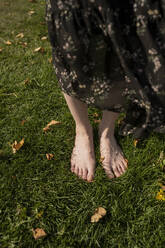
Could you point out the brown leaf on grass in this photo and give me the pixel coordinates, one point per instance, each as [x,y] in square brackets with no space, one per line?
[39,49]
[95,218]
[99,213]
[26,81]
[23,122]
[20,35]
[38,233]
[53,122]
[120,119]
[96,115]
[49,156]
[101,159]
[24,44]
[135,142]
[8,42]
[44,38]
[42,50]
[45,129]
[160,195]
[16,146]
[1,49]
[50,60]
[31,12]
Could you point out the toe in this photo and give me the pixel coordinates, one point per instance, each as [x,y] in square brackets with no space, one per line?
[76,171]
[123,166]
[90,176]
[109,173]
[72,167]
[80,172]
[120,169]
[116,172]
[84,176]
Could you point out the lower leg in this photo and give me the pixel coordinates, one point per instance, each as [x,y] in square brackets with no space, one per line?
[83,159]
[107,125]
[114,162]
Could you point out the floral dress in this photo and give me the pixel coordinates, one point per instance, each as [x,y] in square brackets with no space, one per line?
[111,54]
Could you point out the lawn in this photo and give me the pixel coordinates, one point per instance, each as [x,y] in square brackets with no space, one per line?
[39,193]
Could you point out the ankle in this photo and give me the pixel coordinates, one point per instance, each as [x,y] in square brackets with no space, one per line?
[106,132]
[84,130]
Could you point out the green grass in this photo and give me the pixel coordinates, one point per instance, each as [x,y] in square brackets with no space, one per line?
[37,193]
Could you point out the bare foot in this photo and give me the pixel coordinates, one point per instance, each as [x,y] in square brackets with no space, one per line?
[83,158]
[113,160]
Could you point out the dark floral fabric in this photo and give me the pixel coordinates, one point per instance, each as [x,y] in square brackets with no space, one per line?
[111,55]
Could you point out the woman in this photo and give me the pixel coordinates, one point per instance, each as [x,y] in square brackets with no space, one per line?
[109,54]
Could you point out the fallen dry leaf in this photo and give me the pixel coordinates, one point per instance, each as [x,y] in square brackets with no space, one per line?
[38,233]
[24,44]
[45,129]
[96,115]
[23,122]
[44,38]
[95,218]
[99,213]
[160,195]
[14,177]
[153,12]
[101,159]
[50,60]
[31,12]
[1,49]
[42,50]
[49,156]
[135,142]
[39,49]
[53,122]
[16,146]
[26,81]
[120,119]
[20,35]
[8,42]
